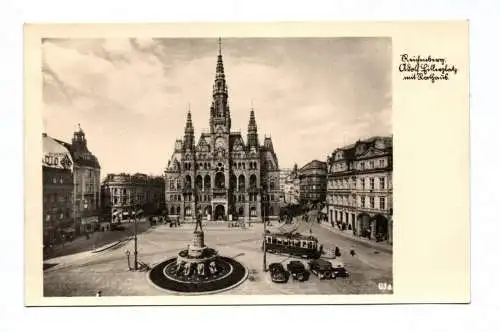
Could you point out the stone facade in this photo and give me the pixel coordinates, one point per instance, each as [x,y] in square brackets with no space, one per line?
[57,177]
[312,177]
[291,189]
[123,195]
[221,175]
[360,187]
[86,180]
[284,175]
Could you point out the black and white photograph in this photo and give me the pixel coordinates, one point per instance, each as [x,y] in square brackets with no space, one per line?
[214,164]
[191,166]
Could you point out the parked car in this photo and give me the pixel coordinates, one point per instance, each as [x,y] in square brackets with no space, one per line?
[278,273]
[339,269]
[322,268]
[297,270]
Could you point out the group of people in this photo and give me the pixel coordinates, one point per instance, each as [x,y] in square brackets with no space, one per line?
[158,220]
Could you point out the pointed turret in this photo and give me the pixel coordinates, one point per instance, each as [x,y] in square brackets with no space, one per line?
[189,133]
[252,135]
[219,110]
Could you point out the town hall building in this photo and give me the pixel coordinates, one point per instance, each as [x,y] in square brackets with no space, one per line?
[221,175]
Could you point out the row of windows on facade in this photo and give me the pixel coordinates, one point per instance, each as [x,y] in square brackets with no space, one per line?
[89,188]
[361,183]
[61,180]
[60,216]
[188,212]
[140,196]
[362,202]
[57,197]
[361,165]
[125,199]
[208,166]
[132,192]
[64,199]
[205,183]
[312,187]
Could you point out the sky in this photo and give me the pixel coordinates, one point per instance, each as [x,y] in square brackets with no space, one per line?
[131,96]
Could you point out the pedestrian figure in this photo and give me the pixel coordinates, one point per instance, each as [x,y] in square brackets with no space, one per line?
[352,252]
[337,252]
[98,294]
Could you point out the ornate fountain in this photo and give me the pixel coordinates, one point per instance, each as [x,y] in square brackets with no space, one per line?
[198,269]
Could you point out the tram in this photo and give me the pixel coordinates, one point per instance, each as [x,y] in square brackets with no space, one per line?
[298,245]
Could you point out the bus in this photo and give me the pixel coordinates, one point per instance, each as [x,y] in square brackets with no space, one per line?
[297,245]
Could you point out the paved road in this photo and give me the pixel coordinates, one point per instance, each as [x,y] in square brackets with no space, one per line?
[96,240]
[108,270]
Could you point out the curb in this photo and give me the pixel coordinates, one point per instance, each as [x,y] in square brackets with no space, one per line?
[372,244]
[109,246]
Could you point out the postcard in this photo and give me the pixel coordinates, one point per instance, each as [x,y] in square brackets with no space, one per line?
[247,163]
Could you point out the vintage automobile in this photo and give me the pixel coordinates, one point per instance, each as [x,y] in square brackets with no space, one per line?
[297,270]
[278,273]
[322,268]
[339,269]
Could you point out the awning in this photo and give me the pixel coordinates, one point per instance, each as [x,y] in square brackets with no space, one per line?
[125,213]
[324,210]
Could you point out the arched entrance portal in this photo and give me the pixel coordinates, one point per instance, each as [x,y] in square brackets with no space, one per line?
[363,228]
[219,212]
[208,212]
[381,227]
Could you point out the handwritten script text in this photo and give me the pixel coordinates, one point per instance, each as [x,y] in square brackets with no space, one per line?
[425,68]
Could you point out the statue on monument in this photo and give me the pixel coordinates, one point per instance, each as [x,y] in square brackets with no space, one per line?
[199,218]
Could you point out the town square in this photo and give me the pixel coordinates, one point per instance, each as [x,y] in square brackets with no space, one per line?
[225,214]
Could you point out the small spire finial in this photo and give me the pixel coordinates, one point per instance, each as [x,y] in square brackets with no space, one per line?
[220,46]
[251,103]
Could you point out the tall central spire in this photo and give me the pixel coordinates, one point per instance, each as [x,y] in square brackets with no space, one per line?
[219,110]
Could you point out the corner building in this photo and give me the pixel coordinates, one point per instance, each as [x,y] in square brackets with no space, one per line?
[86,180]
[360,187]
[221,175]
[57,175]
[123,194]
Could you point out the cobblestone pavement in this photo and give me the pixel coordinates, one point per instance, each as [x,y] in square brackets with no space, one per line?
[85,273]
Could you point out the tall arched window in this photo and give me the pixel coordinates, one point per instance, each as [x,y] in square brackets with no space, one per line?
[187,183]
[271,185]
[241,182]
[233,182]
[220,180]
[207,182]
[253,181]
[199,182]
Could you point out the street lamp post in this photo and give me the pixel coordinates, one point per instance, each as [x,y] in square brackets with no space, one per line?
[127,253]
[264,260]
[135,241]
